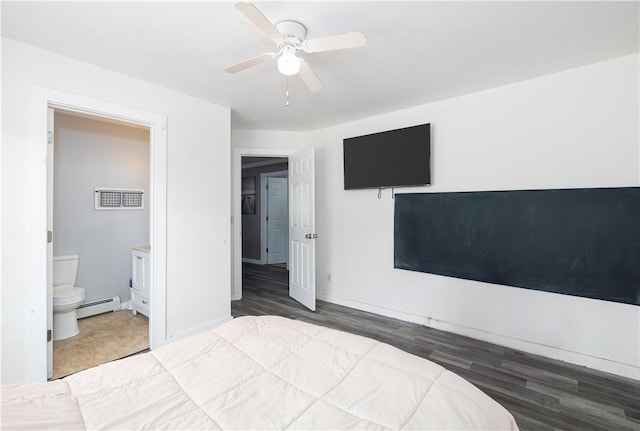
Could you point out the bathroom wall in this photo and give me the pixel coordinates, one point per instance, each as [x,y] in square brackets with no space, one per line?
[88,154]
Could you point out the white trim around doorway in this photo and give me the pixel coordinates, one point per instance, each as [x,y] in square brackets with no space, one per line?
[41,100]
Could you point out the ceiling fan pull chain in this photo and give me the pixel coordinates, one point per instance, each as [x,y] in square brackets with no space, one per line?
[287,92]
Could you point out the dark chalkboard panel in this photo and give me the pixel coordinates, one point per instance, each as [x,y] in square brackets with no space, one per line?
[582,242]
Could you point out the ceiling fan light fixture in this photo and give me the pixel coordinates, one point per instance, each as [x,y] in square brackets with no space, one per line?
[291,37]
[288,63]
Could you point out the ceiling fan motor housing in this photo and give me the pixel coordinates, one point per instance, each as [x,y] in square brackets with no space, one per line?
[293,33]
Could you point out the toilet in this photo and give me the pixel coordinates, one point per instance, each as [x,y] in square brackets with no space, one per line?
[66,297]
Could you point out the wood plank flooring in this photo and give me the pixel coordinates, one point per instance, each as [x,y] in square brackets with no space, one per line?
[541,393]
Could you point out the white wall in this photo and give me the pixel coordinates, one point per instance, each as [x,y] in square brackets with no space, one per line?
[198,235]
[90,154]
[572,129]
[578,128]
[270,139]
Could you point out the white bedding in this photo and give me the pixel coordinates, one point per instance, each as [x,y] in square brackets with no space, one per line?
[259,373]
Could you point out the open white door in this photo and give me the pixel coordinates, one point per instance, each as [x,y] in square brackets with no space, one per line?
[50,148]
[302,223]
[277,221]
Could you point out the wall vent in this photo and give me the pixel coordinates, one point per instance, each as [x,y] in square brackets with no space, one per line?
[119,199]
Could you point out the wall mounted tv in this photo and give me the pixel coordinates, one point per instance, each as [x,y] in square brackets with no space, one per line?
[394,158]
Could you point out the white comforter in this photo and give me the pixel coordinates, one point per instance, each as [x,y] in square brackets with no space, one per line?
[259,373]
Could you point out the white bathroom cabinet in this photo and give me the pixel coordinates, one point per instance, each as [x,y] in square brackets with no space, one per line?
[140,280]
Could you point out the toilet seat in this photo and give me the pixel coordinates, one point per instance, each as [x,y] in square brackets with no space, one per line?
[67,295]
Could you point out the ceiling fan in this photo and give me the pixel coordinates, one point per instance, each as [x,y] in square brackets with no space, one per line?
[289,37]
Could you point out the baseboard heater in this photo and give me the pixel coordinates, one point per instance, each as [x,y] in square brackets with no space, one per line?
[98,307]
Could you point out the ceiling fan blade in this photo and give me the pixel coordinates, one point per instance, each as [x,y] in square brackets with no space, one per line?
[310,78]
[329,43]
[251,62]
[260,21]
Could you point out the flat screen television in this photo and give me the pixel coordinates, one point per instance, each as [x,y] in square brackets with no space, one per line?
[394,158]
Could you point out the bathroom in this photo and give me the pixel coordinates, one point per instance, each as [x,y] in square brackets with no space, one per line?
[100,215]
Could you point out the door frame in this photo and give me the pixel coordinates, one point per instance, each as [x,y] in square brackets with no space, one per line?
[42,99]
[236,219]
[264,208]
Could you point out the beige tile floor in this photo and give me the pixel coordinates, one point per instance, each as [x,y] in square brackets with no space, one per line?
[102,338]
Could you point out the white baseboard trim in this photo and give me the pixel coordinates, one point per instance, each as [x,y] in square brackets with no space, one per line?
[255,261]
[100,306]
[371,308]
[126,305]
[197,330]
[601,364]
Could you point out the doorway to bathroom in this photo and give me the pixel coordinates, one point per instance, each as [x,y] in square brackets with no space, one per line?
[38,239]
[100,214]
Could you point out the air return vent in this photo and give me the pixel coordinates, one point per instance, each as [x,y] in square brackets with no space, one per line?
[119,199]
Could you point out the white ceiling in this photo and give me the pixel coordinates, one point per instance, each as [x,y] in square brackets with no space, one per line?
[416,53]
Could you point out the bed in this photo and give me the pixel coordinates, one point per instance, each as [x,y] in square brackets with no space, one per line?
[259,373]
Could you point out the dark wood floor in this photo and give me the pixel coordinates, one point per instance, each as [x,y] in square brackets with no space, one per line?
[541,393]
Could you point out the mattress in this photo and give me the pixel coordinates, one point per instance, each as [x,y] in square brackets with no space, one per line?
[259,373]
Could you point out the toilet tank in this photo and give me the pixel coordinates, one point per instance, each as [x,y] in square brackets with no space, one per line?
[65,269]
